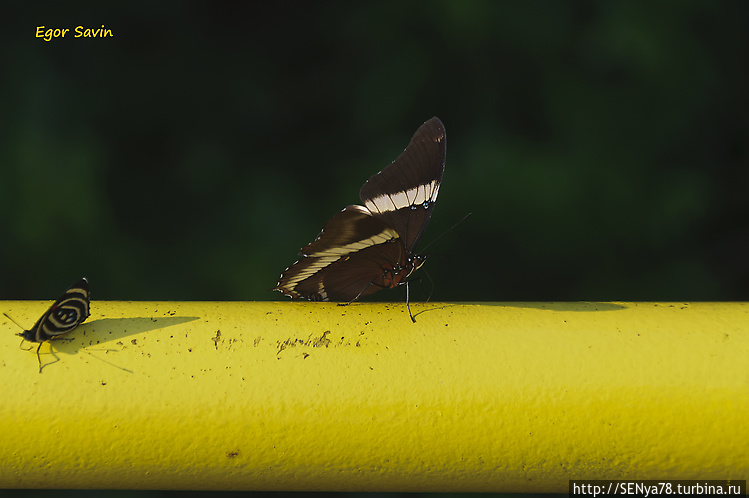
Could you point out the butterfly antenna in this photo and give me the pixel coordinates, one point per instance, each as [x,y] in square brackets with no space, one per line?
[445,232]
[9,318]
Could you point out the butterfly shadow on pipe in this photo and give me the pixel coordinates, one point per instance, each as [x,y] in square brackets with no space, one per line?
[99,333]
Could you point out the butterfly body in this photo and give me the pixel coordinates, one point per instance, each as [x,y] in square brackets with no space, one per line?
[366,248]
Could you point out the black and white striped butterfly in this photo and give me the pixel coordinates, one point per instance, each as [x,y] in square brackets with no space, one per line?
[69,311]
[366,248]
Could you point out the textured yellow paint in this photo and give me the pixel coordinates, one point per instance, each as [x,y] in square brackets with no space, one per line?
[313,396]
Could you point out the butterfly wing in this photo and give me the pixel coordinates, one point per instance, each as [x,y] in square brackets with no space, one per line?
[346,261]
[363,249]
[69,311]
[402,195]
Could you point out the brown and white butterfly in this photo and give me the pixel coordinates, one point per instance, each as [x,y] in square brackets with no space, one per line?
[366,248]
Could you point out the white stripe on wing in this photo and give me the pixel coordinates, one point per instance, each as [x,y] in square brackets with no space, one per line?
[412,197]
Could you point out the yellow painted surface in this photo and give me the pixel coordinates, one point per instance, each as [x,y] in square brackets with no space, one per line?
[313,396]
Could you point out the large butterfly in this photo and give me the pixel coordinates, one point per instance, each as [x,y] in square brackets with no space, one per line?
[69,311]
[366,248]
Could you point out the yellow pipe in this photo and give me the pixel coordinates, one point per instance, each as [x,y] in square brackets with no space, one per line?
[312,396]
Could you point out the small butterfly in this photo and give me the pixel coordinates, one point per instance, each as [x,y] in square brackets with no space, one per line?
[69,311]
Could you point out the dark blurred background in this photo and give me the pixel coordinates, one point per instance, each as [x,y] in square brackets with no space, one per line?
[601,146]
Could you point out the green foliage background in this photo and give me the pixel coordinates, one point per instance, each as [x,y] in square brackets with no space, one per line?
[601,146]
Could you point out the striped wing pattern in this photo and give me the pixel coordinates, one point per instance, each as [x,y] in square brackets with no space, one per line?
[69,311]
[403,194]
[365,248]
[345,260]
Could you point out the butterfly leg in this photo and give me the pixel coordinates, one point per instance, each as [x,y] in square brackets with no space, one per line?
[360,293]
[421,280]
[50,347]
[22,341]
[408,306]
[39,358]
